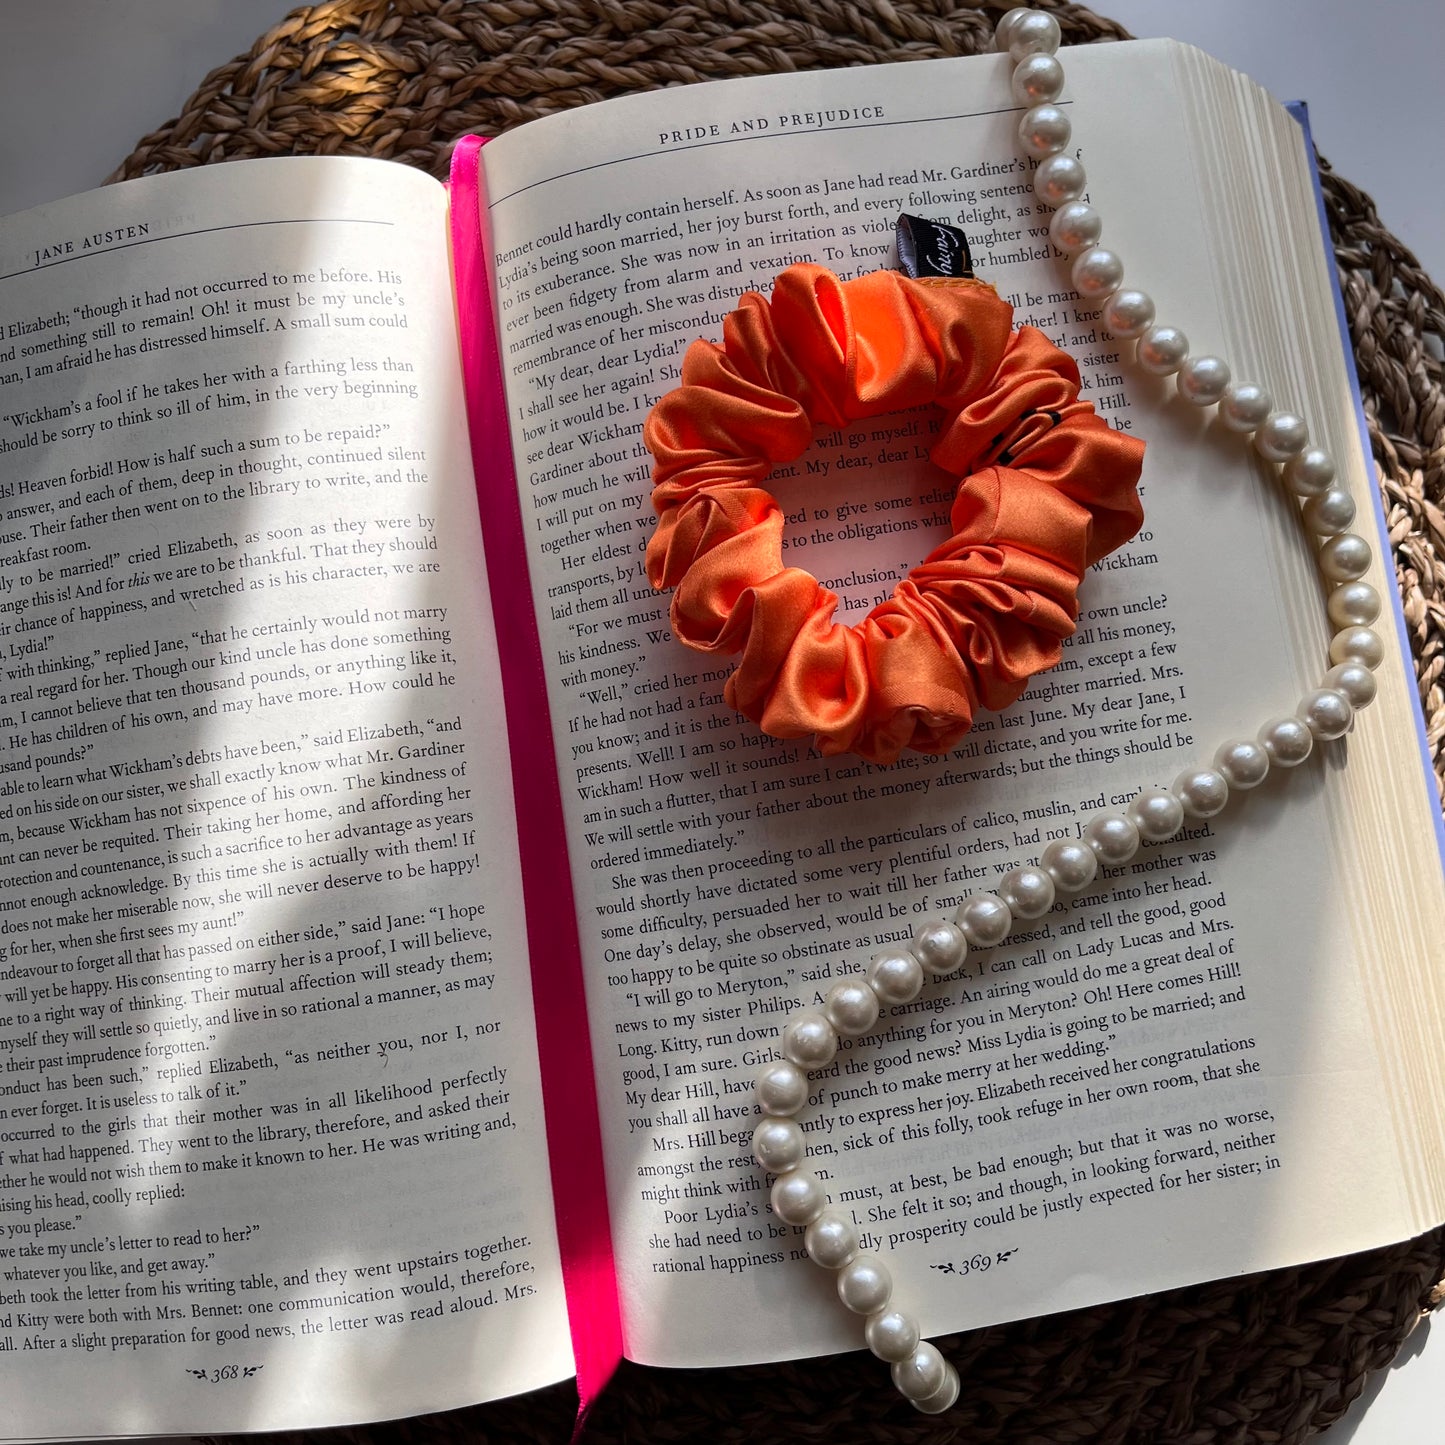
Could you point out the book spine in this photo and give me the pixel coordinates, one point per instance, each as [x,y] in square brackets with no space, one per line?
[569,1089]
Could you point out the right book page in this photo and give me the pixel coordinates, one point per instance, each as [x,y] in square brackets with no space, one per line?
[1215,1061]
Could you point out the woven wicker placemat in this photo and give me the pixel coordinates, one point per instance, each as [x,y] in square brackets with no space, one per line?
[1270,1359]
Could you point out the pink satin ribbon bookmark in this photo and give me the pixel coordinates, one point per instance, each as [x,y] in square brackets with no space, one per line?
[569,1089]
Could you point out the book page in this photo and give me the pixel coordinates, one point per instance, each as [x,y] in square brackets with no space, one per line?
[269,1104]
[1168,1078]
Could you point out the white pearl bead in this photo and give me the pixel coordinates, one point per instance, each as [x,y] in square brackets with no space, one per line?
[984,918]
[1114,839]
[1202,792]
[1028,892]
[1243,762]
[1058,179]
[1097,273]
[922,1374]
[1128,313]
[1353,679]
[864,1284]
[1358,644]
[1244,406]
[1282,436]
[851,1006]
[944,1398]
[891,1335]
[1037,79]
[1329,513]
[1156,814]
[1309,473]
[831,1240]
[798,1197]
[1354,604]
[1072,866]
[1345,558]
[1003,31]
[1326,713]
[781,1088]
[1202,380]
[809,1040]
[778,1145]
[1035,32]
[895,977]
[940,947]
[1044,129]
[1287,741]
[1162,350]
[1075,227]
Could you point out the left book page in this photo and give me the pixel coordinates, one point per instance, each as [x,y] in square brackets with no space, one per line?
[269,1100]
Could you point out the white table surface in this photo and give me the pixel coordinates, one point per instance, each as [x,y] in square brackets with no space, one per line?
[84,79]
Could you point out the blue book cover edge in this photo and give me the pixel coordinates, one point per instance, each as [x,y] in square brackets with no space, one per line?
[1300,111]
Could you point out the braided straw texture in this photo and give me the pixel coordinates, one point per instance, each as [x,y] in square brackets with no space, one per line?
[1270,1359]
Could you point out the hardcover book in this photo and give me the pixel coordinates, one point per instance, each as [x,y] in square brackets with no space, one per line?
[394,916]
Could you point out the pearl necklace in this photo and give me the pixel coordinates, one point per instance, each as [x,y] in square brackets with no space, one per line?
[852,1006]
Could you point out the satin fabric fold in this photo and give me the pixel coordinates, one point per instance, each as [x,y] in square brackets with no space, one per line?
[1045,489]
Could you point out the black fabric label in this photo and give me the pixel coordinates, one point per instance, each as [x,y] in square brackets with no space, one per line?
[928,248]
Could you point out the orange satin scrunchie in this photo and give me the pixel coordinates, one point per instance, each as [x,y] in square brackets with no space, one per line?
[1046,489]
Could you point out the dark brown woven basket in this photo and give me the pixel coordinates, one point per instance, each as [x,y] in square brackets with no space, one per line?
[1270,1359]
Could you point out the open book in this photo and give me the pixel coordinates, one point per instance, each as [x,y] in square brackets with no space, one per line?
[331,783]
